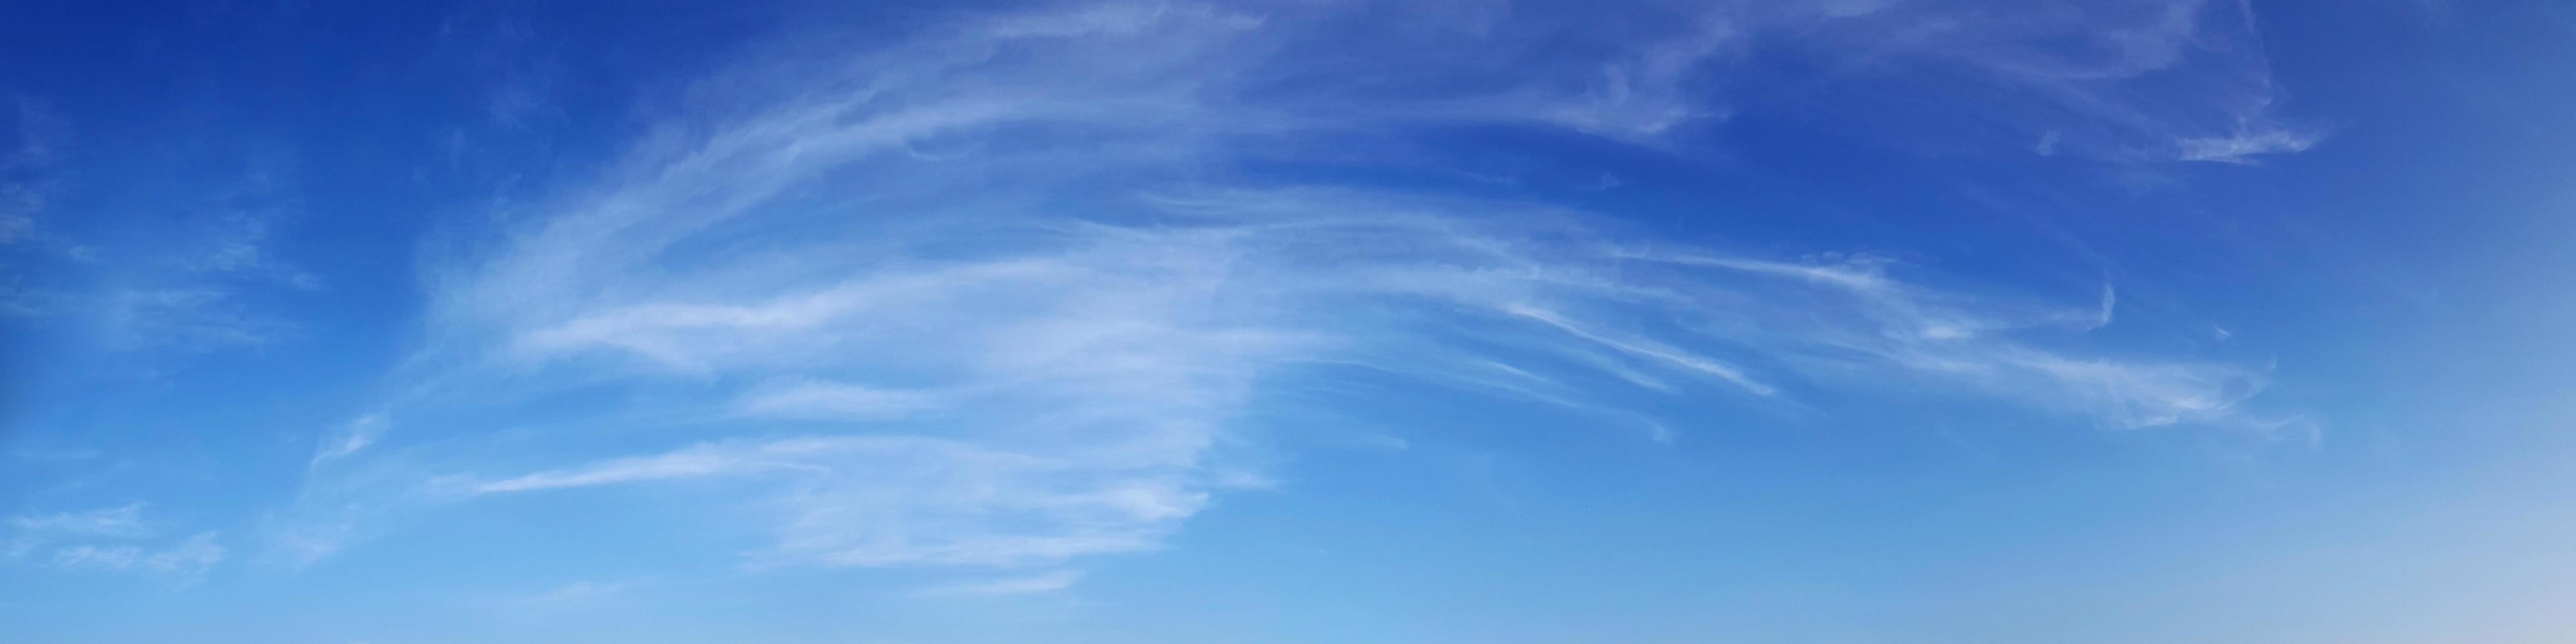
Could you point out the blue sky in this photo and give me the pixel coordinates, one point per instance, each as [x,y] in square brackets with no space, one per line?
[1338,321]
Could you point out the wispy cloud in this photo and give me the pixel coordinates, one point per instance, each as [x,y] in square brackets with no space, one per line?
[29,134]
[1049,582]
[111,539]
[30,138]
[189,558]
[2244,147]
[574,593]
[840,400]
[876,501]
[2119,80]
[182,291]
[349,438]
[182,318]
[998,300]
[692,463]
[118,521]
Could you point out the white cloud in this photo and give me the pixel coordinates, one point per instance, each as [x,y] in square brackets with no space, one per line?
[1049,582]
[1649,94]
[578,592]
[993,299]
[111,539]
[181,292]
[28,134]
[182,318]
[189,558]
[1068,397]
[879,501]
[2119,80]
[14,225]
[690,463]
[118,521]
[1646,348]
[349,438]
[310,537]
[2242,147]
[836,400]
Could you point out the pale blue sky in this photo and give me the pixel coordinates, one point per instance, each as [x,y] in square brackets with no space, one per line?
[1346,321]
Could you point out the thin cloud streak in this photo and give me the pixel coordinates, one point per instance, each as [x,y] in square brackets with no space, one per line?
[119,521]
[2244,147]
[112,539]
[1050,582]
[354,436]
[189,559]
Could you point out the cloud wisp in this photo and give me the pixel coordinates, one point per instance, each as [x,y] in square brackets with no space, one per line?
[190,291]
[1041,583]
[110,539]
[190,558]
[118,521]
[2131,81]
[1005,295]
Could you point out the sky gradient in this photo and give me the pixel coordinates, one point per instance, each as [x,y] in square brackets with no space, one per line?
[1306,321]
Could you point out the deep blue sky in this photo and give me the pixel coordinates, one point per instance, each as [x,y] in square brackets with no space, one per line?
[1346,321]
